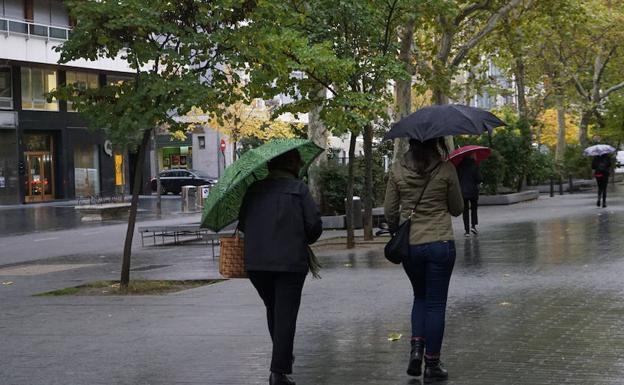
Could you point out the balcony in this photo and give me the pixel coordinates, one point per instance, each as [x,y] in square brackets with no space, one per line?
[34,30]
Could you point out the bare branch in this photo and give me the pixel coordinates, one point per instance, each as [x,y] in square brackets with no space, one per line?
[599,67]
[489,26]
[579,87]
[467,11]
[611,90]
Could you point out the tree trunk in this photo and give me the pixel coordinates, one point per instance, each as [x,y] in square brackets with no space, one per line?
[440,98]
[318,134]
[403,88]
[523,111]
[525,127]
[349,203]
[368,183]
[136,190]
[158,183]
[561,133]
[583,127]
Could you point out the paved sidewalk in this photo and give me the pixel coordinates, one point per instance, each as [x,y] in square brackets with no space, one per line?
[535,299]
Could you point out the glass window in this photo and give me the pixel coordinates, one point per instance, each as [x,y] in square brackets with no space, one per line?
[81,80]
[86,170]
[6,92]
[113,80]
[36,83]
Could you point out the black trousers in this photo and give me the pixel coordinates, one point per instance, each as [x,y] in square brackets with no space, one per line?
[281,294]
[602,182]
[470,213]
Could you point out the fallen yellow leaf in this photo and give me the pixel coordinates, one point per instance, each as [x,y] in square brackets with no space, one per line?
[7,283]
[394,336]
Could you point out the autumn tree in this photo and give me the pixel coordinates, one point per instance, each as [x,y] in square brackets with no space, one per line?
[594,59]
[348,50]
[175,50]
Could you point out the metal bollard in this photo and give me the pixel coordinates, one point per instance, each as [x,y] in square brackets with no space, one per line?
[570,185]
[188,199]
[560,185]
[552,187]
[202,193]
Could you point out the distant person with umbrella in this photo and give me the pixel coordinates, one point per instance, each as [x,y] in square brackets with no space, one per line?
[601,164]
[469,179]
[423,188]
[467,160]
[602,168]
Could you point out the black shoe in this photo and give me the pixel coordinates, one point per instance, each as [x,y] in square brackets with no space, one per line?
[604,205]
[434,371]
[416,357]
[280,379]
[598,203]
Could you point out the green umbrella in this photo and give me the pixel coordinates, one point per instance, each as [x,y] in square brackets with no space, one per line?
[225,198]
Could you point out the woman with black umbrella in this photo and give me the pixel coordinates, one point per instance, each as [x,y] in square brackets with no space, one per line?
[423,188]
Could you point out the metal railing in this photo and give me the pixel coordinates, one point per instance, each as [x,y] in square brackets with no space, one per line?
[30,29]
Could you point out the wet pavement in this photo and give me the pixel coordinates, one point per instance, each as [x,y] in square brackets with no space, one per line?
[536,298]
[54,216]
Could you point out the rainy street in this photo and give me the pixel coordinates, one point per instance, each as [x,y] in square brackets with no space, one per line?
[535,298]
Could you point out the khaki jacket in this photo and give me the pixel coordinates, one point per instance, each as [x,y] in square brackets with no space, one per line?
[431,221]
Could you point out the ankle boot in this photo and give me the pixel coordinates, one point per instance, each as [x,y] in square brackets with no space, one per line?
[280,379]
[434,370]
[416,357]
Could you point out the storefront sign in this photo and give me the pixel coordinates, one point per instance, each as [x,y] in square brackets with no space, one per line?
[119,170]
[222,145]
[205,190]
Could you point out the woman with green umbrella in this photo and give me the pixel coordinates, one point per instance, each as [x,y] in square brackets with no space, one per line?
[280,219]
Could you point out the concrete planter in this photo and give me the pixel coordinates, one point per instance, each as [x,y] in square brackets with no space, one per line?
[103,212]
[508,199]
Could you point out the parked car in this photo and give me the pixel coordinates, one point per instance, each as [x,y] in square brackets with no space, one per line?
[171,181]
[619,165]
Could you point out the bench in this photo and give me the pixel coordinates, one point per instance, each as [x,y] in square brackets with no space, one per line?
[180,234]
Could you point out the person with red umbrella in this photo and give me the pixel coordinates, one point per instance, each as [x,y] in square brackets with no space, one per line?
[467,160]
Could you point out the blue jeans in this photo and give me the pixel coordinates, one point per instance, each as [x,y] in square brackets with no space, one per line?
[429,268]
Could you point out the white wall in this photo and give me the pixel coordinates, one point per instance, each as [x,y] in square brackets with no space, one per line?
[210,158]
[17,47]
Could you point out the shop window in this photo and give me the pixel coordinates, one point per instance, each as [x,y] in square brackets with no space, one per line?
[36,83]
[86,170]
[81,80]
[6,91]
[113,80]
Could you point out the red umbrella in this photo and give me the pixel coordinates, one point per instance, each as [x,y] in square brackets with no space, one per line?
[459,154]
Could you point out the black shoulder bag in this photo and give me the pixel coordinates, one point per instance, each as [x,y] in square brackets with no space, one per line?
[397,248]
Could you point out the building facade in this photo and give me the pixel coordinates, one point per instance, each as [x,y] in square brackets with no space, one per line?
[46,150]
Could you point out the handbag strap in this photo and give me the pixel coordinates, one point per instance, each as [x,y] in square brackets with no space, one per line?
[422,192]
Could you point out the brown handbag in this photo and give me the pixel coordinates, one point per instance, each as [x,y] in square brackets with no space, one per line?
[232,259]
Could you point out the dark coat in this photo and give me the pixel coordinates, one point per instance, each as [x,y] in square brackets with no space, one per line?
[469,178]
[601,166]
[279,219]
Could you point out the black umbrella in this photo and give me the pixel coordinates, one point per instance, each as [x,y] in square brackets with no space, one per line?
[450,119]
